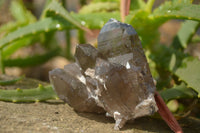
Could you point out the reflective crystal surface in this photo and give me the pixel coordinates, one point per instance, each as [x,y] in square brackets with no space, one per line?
[70,86]
[86,55]
[114,78]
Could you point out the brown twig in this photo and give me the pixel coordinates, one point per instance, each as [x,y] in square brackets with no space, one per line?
[124,8]
[166,114]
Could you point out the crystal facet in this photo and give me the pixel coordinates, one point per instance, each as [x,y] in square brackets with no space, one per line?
[70,85]
[114,78]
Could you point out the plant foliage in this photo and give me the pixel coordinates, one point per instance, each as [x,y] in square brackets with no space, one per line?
[169,63]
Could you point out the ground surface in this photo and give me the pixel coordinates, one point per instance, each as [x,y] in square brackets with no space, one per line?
[57,117]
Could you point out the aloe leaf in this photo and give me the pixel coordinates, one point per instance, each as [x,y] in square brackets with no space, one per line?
[178,92]
[41,93]
[1,62]
[187,1]
[22,16]
[100,7]
[81,37]
[137,4]
[167,58]
[10,49]
[57,23]
[172,63]
[57,9]
[149,5]
[20,13]
[186,32]
[32,60]
[11,26]
[162,56]
[68,45]
[189,73]
[143,20]
[10,82]
[45,25]
[142,23]
[177,10]
[96,1]
[95,20]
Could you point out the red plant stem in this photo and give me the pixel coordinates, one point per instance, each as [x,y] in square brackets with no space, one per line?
[128,7]
[124,8]
[166,114]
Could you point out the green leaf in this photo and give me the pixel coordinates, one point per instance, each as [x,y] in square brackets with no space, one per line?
[167,57]
[142,23]
[182,1]
[96,1]
[20,13]
[187,1]
[11,26]
[172,62]
[149,5]
[56,9]
[32,60]
[137,4]
[189,72]
[152,65]
[10,49]
[177,10]
[10,82]
[186,32]
[2,63]
[100,7]
[95,20]
[22,16]
[178,92]
[45,25]
[41,93]
[57,23]
[81,37]
[143,20]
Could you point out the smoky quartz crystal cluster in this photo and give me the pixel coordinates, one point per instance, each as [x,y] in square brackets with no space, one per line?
[113,78]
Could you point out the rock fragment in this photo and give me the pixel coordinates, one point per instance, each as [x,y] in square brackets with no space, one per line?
[114,78]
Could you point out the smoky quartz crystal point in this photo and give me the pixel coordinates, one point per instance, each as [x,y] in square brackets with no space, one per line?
[114,78]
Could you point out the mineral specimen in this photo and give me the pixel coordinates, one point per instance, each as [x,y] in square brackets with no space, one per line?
[70,86]
[114,78]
